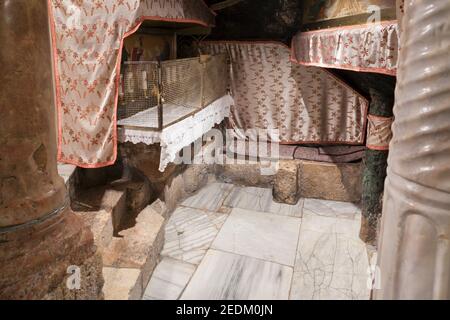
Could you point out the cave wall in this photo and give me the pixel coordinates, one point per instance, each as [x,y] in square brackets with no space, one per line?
[256,19]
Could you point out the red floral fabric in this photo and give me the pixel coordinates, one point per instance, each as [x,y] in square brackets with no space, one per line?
[365,48]
[87,40]
[379,132]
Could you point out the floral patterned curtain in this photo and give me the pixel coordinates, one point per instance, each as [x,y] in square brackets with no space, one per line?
[87,39]
[306,104]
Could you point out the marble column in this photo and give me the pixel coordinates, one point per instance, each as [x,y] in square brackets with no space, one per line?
[414,248]
[40,238]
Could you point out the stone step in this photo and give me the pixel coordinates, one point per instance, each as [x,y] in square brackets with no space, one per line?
[129,260]
[102,209]
[128,232]
[123,203]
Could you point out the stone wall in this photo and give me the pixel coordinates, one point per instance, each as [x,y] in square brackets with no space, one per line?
[299,178]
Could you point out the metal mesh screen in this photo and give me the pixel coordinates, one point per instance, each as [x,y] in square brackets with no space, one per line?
[215,78]
[138,89]
[184,85]
[182,82]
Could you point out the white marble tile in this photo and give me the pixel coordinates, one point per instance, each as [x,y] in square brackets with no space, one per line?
[210,197]
[260,235]
[261,199]
[347,227]
[330,252]
[332,262]
[333,209]
[190,232]
[169,280]
[329,286]
[227,276]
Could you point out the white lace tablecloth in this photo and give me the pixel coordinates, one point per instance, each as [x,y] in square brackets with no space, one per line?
[181,134]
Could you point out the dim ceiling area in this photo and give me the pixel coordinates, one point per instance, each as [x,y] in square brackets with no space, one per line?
[255,19]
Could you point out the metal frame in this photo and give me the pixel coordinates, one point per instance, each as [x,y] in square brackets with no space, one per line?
[202,60]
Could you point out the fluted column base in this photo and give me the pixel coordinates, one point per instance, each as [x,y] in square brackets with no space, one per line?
[414,249]
[35,260]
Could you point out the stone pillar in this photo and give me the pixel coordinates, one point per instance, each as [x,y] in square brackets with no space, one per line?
[375,164]
[414,248]
[39,236]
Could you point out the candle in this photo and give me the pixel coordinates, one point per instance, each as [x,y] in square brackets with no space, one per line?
[144,80]
[121,85]
[129,83]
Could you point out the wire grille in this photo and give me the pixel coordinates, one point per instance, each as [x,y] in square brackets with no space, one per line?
[182,82]
[215,81]
[138,88]
[173,89]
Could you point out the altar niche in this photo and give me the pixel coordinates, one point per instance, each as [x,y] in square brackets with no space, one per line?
[157,89]
[157,94]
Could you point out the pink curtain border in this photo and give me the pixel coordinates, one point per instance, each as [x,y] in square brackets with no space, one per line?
[117,80]
[293,60]
[350,27]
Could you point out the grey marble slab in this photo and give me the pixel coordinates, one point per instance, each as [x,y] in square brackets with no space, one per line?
[190,232]
[260,235]
[331,262]
[210,197]
[333,209]
[169,280]
[329,286]
[227,276]
[261,199]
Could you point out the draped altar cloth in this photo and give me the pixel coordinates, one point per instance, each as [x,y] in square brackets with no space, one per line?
[364,48]
[308,105]
[180,134]
[87,38]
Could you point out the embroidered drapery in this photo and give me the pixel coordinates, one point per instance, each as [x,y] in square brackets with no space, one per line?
[306,104]
[365,48]
[379,132]
[87,41]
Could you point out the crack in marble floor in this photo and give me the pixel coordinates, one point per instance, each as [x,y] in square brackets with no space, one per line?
[329,260]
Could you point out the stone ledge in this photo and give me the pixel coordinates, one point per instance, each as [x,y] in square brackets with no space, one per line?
[248,175]
[300,178]
[338,182]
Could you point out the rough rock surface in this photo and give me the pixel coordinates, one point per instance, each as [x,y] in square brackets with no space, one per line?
[47,250]
[195,177]
[244,174]
[122,284]
[139,247]
[338,182]
[174,192]
[286,186]
[93,205]
[146,159]
[276,19]
[91,283]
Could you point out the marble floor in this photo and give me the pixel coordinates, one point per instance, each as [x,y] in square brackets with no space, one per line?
[235,243]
